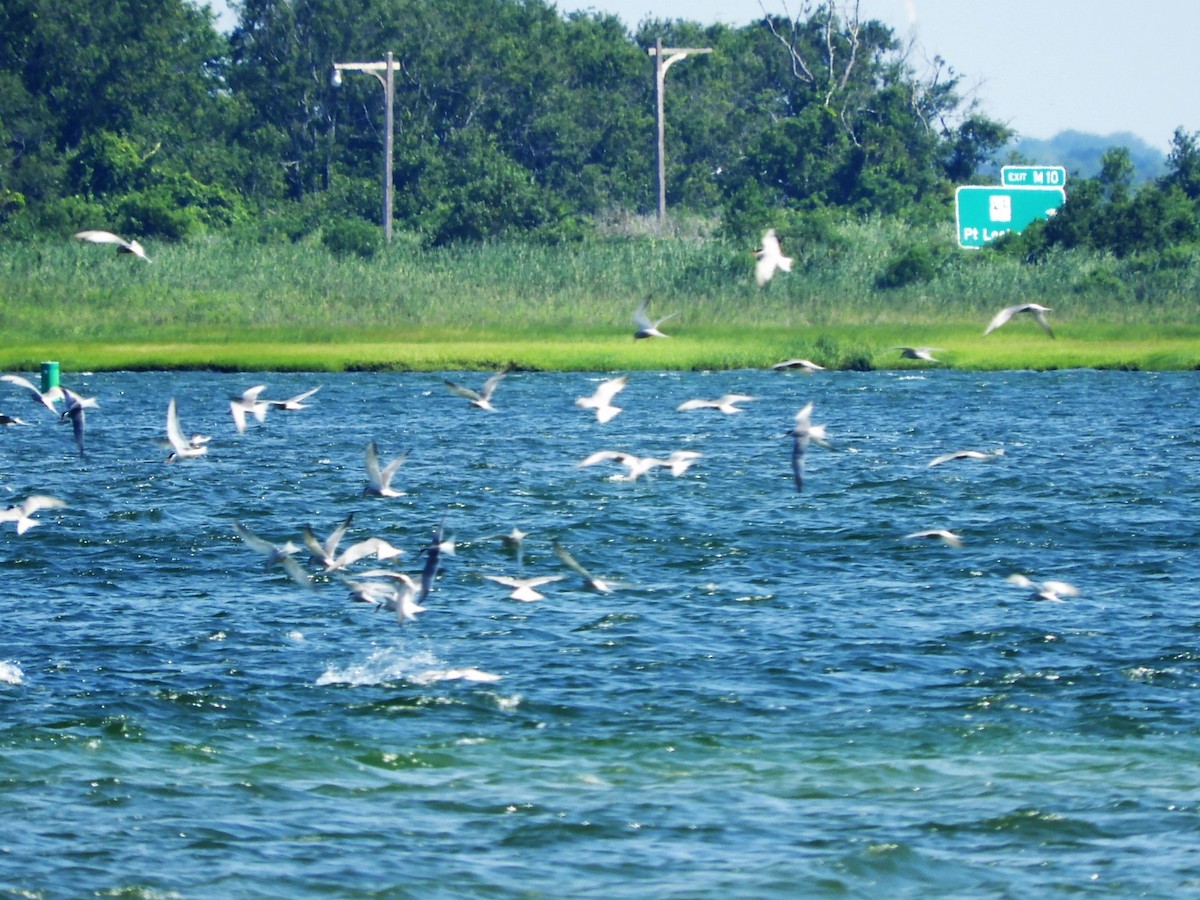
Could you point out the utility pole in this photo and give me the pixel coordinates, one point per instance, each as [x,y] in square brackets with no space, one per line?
[388,80]
[661,64]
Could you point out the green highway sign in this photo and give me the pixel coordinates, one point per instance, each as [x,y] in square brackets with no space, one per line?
[984,212]
[1033,176]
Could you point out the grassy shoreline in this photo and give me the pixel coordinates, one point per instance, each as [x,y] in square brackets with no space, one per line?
[841,348]
[221,305]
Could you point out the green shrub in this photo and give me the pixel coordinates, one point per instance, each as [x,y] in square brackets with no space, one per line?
[352,237]
[915,265]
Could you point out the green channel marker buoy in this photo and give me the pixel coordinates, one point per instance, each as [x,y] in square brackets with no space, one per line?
[49,376]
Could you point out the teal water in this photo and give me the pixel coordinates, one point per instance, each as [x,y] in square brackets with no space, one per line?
[786,698]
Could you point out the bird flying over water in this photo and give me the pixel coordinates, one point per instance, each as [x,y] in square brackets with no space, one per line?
[525,589]
[601,399]
[1034,309]
[726,404]
[22,513]
[75,405]
[482,397]
[770,258]
[181,447]
[46,399]
[647,327]
[590,581]
[11,420]
[1053,591]
[925,353]
[277,554]
[949,538]
[807,366]
[247,402]
[804,431]
[980,455]
[107,237]
[293,403]
[379,481]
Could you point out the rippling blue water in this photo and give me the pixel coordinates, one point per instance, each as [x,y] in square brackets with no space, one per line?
[786,699]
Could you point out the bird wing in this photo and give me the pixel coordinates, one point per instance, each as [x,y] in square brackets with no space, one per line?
[37,502]
[489,386]
[640,317]
[103,237]
[462,391]
[372,459]
[258,543]
[1040,316]
[174,434]
[390,469]
[570,562]
[1001,317]
[695,404]
[799,445]
[609,389]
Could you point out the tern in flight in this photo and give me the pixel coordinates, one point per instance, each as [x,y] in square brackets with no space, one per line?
[770,258]
[925,353]
[726,404]
[590,581]
[22,513]
[277,554]
[1053,591]
[293,403]
[247,402]
[1034,309]
[107,237]
[804,431]
[980,455]
[379,481]
[525,589]
[75,405]
[482,397]
[646,327]
[949,538]
[602,399]
[46,398]
[181,447]
[807,366]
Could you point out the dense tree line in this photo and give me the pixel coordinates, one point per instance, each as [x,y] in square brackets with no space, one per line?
[510,119]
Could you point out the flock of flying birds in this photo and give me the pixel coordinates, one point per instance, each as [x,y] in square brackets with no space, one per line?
[405,595]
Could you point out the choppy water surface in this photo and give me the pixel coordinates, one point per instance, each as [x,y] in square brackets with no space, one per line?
[785,699]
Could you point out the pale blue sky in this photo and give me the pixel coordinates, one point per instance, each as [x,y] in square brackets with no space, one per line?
[1041,66]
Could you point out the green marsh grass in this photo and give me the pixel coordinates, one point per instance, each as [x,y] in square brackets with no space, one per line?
[219,304]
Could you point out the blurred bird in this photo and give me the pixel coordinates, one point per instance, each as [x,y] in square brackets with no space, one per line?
[807,366]
[277,554]
[770,258]
[75,405]
[247,402]
[1053,591]
[482,397]
[181,447]
[438,544]
[804,431]
[949,538]
[646,327]
[601,399]
[379,481]
[925,353]
[293,403]
[525,589]
[11,420]
[22,513]
[1034,309]
[47,398]
[107,237]
[590,581]
[726,404]
[981,455]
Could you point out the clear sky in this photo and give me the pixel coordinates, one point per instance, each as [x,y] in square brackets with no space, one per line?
[1041,66]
